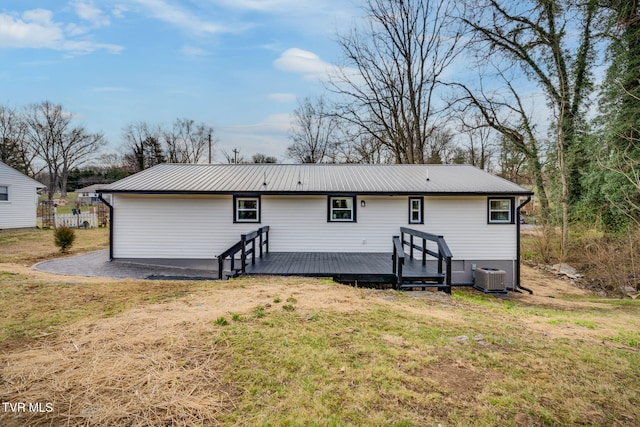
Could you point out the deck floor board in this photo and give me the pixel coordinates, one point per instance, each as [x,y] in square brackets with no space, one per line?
[331,264]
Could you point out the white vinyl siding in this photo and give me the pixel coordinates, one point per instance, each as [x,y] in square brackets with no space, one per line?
[202,226]
[299,223]
[174,226]
[463,223]
[19,208]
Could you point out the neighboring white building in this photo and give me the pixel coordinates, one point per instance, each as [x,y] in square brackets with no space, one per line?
[88,195]
[199,211]
[18,199]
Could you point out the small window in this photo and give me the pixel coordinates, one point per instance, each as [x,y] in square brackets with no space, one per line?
[4,193]
[500,211]
[342,209]
[246,209]
[416,215]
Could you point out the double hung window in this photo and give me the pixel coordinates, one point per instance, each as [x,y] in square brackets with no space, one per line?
[501,211]
[246,209]
[342,209]
[416,210]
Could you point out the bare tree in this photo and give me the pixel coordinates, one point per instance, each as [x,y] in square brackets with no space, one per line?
[142,146]
[14,148]
[552,42]
[314,132]
[505,113]
[233,157]
[187,141]
[263,158]
[363,149]
[480,146]
[394,63]
[58,143]
[438,146]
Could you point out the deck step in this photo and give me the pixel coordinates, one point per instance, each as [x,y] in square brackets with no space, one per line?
[423,278]
[232,273]
[411,286]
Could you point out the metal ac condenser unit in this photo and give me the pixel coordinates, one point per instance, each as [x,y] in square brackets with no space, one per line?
[491,279]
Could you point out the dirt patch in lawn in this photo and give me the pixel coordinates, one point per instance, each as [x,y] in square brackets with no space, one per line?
[160,364]
[142,366]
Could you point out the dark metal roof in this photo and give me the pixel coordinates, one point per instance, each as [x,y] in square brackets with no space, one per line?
[314,179]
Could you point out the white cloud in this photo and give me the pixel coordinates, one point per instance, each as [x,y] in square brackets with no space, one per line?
[181,18]
[274,123]
[37,29]
[318,18]
[38,16]
[110,89]
[90,13]
[194,51]
[119,10]
[303,62]
[270,137]
[262,5]
[83,47]
[282,97]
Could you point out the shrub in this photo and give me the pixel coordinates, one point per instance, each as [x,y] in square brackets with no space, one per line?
[64,238]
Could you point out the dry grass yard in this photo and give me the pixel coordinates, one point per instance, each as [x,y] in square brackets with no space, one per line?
[297,351]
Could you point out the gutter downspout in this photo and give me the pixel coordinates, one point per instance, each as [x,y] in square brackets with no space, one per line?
[517,284]
[110,225]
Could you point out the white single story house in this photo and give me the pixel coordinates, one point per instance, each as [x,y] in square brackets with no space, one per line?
[186,211]
[18,198]
[88,195]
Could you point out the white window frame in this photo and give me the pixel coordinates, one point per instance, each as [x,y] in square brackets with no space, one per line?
[4,193]
[352,209]
[420,210]
[500,210]
[237,209]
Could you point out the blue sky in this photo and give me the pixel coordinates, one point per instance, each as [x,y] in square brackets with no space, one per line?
[237,65]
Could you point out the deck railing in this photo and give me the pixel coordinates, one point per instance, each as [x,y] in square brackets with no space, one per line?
[397,258]
[246,247]
[443,253]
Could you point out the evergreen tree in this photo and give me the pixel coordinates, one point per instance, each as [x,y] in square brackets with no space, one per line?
[618,162]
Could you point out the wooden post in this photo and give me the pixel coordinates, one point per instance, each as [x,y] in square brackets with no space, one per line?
[253,251]
[394,257]
[411,246]
[448,280]
[243,253]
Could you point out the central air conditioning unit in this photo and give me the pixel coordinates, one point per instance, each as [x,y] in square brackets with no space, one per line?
[491,279]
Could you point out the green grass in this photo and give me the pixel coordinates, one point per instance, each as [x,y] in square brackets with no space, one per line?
[382,363]
[391,359]
[391,367]
[33,307]
[33,245]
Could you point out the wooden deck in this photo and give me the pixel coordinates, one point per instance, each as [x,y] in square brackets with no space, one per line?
[342,266]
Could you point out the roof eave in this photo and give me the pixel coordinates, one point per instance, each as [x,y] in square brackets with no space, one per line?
[321,193]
